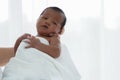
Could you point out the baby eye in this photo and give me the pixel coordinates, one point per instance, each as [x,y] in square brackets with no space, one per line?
[45,18]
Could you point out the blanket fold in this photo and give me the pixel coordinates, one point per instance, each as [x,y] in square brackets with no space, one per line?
[32,64]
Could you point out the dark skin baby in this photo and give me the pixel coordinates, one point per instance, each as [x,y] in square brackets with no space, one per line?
[49,27]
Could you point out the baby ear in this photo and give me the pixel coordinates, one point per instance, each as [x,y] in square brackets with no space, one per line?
[62,31]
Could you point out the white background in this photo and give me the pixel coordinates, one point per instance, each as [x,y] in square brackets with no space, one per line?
[92,32]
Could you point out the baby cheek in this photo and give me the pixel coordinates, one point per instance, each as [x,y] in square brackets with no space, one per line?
[58,28]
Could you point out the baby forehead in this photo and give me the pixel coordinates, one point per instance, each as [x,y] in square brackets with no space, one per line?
[53,13]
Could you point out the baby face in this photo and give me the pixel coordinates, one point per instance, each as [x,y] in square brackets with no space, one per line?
[49,23]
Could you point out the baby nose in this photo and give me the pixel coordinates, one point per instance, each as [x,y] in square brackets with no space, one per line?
[47,22]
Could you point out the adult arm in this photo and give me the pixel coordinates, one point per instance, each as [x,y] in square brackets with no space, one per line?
[5,55]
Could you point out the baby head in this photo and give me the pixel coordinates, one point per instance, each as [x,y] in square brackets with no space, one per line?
[51,22]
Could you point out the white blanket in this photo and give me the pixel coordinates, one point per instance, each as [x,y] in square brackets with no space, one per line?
[32,64]
[0,73]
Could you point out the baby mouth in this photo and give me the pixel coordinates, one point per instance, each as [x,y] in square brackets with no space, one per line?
[44,26]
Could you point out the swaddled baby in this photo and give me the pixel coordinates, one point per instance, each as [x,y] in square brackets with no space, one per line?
[42,61]
[27,64]
[32,64]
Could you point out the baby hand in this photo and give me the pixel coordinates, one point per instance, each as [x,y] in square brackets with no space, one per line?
[25,36]
[32,41]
